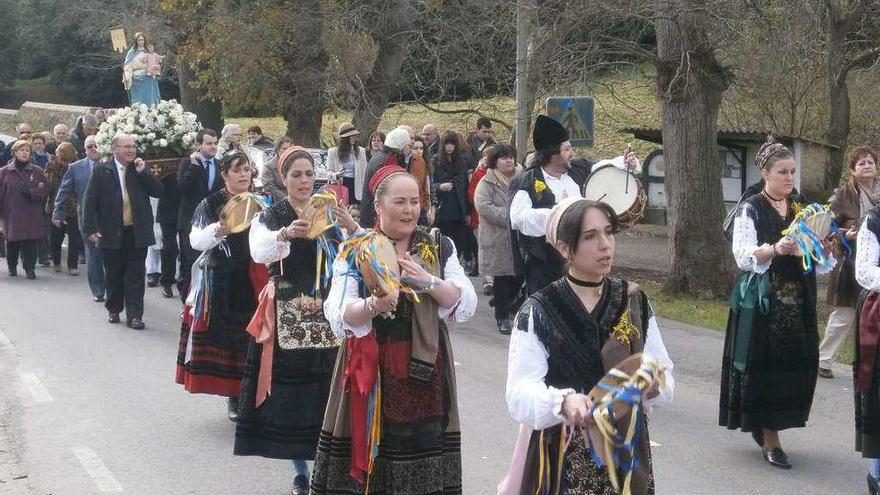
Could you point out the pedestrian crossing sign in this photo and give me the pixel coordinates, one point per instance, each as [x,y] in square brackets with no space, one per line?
[575,113]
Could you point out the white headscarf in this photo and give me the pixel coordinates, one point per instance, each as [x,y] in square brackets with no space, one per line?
[556,215]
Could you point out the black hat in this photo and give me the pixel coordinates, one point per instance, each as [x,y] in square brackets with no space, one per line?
[548,133]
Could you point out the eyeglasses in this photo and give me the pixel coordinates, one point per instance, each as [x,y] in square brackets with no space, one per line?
[91,147]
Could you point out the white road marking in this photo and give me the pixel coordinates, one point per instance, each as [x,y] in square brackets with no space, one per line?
[35,386]
[655,444]
[97,470]
[456,363]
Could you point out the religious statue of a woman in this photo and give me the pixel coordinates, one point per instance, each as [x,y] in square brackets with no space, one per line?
[141,71]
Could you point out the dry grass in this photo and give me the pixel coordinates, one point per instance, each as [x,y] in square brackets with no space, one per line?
[712,313]
[625,100]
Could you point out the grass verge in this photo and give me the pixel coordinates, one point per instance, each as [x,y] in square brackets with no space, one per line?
[712,313]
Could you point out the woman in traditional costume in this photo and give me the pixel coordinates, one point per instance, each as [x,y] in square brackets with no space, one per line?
[395,378]
[866,376]
[567,336]
[771,350]
[849,203]
[213,339]
[292,351]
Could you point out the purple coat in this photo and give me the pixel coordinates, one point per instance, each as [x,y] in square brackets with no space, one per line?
[21,217]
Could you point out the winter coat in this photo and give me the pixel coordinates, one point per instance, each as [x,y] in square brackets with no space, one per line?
[843,289]
[490,200]
[452,205]
[54,175]
[22,198]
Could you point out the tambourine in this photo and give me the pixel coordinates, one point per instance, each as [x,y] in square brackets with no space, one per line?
[240,210]
[617,404]
[373,255]
[812,224]
[318,213]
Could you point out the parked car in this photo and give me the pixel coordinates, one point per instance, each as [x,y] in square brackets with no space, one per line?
[265,157]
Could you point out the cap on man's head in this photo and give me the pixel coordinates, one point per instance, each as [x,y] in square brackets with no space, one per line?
[548,133]
[397,139]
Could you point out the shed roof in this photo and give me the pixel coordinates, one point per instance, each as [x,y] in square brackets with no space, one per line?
[655,135]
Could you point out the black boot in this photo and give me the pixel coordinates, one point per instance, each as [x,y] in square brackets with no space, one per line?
[232,408]
[503,327]
[300,485]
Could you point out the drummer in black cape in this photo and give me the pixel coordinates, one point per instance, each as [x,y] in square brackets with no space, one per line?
[550,179]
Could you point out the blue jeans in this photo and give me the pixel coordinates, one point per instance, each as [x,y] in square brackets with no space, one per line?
[95,266]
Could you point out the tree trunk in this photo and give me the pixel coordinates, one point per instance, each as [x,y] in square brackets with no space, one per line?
[306,62]
[210,112]
[525,15]
[690,84]
[304,120]
[838,123]
[381,85]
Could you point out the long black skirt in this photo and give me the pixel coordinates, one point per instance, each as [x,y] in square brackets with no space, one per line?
[776,390]
[287,424]
[867,402]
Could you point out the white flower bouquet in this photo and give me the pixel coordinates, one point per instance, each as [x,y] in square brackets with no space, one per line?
[161,131]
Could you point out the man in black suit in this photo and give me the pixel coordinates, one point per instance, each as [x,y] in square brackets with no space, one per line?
[166,217]
[197,177]
[118,217]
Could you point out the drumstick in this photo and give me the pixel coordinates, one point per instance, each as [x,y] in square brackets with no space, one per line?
[602,197]
[626,169]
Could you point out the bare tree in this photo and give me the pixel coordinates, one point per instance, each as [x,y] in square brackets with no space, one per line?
[780,74]
[690,83]
[183,19]
[391,31]
[852,42]
[263,54]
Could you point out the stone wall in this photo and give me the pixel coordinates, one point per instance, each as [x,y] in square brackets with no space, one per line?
[7,121]
[41,116]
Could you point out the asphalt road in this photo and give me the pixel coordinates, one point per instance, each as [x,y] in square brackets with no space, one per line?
[87,407]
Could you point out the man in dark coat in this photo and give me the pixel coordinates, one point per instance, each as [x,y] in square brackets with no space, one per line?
[118,217]
[431,137]
[397,144]
[166,217]
[480,139]
[86,126]
[197,177]
[533,195]
[23,131]
[258,139]
[62,134]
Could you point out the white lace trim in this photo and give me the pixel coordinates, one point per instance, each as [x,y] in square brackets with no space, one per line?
[867,258]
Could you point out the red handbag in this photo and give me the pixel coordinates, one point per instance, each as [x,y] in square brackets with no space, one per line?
[341,192]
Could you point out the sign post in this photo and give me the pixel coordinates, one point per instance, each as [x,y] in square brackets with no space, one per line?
[576,114]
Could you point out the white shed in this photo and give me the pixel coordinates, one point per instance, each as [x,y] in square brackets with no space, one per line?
[737,150]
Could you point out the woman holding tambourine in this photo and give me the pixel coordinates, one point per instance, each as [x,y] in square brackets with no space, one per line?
[213,341]
[567,337]
[771,350]
[291,355]
[392,419]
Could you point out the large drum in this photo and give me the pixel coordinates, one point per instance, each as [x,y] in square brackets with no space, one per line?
[620,190]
